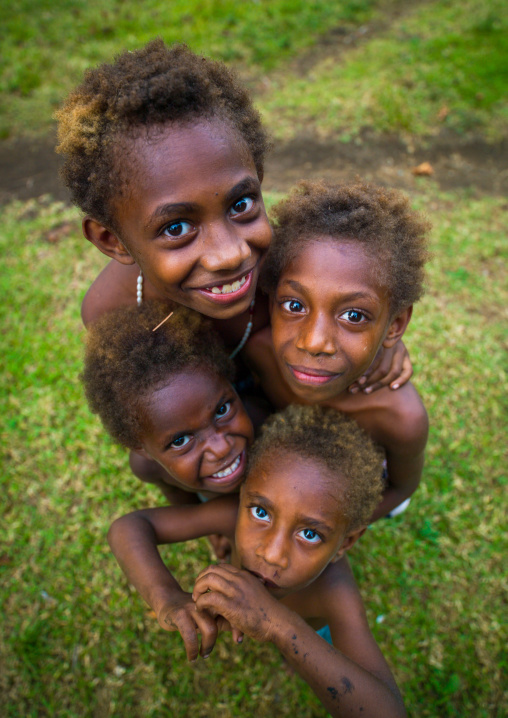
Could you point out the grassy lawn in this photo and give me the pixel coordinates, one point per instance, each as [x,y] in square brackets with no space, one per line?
[75,640]
[42,37]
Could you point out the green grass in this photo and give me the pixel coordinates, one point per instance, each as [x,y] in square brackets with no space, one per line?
[77,642]
[41,38]
[440,65]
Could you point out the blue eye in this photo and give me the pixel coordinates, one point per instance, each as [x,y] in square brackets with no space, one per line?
[310,535]
[244,204]
[223,409]
[181,441]
[353,316]
[260,513]
[293,306]
[178,229]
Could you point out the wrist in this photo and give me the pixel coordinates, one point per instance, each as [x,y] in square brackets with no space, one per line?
[283,625]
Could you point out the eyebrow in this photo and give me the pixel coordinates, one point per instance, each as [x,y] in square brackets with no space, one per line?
[170,208]
[347,297]
[248,184]
[301,518]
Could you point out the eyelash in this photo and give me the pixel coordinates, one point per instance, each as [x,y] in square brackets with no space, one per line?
[172,444]
[252,510]
[316,536]
[251,198]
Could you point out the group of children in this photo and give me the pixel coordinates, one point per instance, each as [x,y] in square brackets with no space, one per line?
[320,435]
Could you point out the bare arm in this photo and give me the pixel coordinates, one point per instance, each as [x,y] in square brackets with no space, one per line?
[404,442]
[342,683]
[134,538]
[391,367]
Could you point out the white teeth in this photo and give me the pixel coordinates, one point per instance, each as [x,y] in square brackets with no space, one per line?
[228,288]
[228,470]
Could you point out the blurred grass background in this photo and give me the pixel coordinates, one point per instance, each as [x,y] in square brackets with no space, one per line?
[75,640]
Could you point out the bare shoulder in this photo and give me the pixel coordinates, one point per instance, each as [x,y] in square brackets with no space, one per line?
[395,419]
[114,287]
[333,596]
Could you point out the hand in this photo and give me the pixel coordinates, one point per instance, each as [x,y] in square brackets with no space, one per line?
[221,546]
[390,367]
[182,615]
[239,597]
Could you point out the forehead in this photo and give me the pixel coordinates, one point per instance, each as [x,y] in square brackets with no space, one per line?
[339,265]
[297,485]
[176,159]
[184,402]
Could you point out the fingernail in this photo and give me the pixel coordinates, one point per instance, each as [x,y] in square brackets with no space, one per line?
[362,380]
[353,390]
[239,640]
[395,386]
[207,655]
[367,390]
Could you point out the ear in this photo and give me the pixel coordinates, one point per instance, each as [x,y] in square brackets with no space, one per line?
[349,541]
[106,241]
[397,327]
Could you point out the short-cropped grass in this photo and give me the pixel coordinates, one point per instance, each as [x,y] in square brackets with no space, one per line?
[76,641]
[437,65]
[46,46]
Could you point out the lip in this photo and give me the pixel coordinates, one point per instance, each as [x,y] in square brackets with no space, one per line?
[231,297]
[307,375]
[265,581]
[231,479]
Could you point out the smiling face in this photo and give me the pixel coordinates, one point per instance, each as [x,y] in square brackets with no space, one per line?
[193,217]
[197,428]
[330,316]
[290,524]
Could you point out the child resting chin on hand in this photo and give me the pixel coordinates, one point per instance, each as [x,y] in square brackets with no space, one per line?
[312,483]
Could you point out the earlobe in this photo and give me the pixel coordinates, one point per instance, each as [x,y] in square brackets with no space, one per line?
[397,327]
[106,241]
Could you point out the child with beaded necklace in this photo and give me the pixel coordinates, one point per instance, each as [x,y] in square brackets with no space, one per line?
[164,151]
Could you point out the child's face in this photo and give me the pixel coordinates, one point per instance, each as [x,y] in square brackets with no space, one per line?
[330,316]
[290,524]
[193,217]
[197,428]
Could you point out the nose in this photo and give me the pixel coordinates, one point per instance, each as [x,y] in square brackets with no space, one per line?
[317,335]
[218,445]
[273,549]
[226,248]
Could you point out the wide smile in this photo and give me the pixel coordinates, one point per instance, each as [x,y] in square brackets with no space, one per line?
[228,476]
[312,376]
[230,291]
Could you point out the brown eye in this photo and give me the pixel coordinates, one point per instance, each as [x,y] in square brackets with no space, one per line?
[178,229]
[241,206]
[354,316]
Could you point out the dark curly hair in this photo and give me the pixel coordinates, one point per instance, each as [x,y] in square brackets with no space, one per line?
[125,360]
[379,219]
[337,443]
[140,90]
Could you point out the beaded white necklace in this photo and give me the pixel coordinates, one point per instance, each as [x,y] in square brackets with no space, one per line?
[248,328]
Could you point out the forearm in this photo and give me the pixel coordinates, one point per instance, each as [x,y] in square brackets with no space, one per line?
[133,542]
[343,687]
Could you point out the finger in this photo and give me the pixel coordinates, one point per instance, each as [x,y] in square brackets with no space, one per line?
[237,635]
[189,634]
[216,603]
[405,374]
[208,629]
[213,581]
